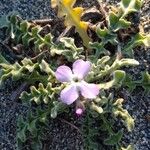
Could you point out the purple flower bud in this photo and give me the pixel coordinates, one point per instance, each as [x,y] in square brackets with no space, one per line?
[79,111]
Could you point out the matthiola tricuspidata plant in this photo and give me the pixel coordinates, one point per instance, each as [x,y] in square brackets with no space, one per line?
[74,64]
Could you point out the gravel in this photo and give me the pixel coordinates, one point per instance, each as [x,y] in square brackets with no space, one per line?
[61,135]
[28,9]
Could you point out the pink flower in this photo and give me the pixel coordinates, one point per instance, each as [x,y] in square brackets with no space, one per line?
[76,83]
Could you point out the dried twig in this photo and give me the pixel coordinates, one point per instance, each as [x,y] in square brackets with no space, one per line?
[46,21]
[39,55]
[7,50]
[72,125]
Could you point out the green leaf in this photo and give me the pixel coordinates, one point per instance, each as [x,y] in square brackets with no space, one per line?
[24,26]
[130,147]
[123,113]
[129,83]
[4,22]
[57,108]
[45,67]
[129,6]
[68,49]
[22,134]
[118,78]
[27,70]
[115,23]
[146,82]
[3,60]
[99,47]
[96,108]
[4,19]
[35,30]
[138,40]
[128,62]
[38,94]
[32,127]
[106,35]
[114,138]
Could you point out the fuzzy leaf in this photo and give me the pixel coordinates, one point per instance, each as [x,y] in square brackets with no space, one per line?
[129,6]
[118,78]
[3,60]
[115,22]
[119,111]
[4,19]
[128,62]
[99,47]
[101,70]
[45,67]
[4,22]
[22,128]
[96,108]
[57,108]
[24,32]
[114,138]
[106,35]
[22,134]
[144,82]
[24,26]
[32,127]
[26,69]
[138,40]
[68,49]
[129,83]
[130,147]
[38,95]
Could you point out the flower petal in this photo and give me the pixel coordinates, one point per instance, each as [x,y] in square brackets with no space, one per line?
[81,68]
[63,74]
[69,94]
[89,91]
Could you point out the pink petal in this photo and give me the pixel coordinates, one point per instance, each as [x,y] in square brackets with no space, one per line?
[63,74]
[79,111]
[69,94]
[81,68]
[89,91]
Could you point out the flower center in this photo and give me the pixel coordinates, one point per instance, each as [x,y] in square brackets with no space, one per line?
[75,79]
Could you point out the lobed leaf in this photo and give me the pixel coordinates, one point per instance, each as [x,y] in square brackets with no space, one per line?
[129,6]
[119,111]
[25,70]
[114,139]
[118,78]
[73,17]
[39,94]
[116,23]
[137,40]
